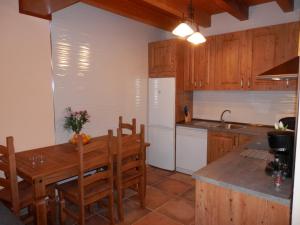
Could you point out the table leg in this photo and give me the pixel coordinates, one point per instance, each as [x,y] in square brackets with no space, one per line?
[39,202]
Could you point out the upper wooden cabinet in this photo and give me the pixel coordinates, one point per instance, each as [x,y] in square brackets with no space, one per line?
[228,61]
[270,47]
[231,61]
[198,69]
[163,58]
[166,59]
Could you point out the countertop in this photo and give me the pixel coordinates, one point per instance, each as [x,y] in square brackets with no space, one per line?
[250,129]
[246,174]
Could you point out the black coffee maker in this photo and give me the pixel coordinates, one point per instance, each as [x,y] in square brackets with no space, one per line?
[282,146]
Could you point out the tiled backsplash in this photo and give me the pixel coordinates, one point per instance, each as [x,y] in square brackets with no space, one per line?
[250,107]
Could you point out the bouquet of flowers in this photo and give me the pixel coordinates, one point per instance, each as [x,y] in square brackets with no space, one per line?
[75,120]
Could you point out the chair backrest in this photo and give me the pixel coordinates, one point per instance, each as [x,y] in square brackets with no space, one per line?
[8,167]
[130,153]
[92,156]
[127,126]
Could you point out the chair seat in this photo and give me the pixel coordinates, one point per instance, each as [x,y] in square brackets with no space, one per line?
[25,194]
[70,189]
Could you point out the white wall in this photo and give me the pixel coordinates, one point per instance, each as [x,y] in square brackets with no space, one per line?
[100,63]
[25,81]
[249,107]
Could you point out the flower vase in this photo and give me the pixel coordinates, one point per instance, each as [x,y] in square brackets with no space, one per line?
[85,138]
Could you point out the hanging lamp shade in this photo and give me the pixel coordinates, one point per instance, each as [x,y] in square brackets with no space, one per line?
[196,38]
[183,30]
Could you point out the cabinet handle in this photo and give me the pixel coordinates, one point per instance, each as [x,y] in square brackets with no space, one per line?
[200,83]
[248,83]
[195,84]
[242,83]
[287,83]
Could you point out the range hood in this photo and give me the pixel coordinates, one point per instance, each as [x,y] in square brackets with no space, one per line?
[286,71]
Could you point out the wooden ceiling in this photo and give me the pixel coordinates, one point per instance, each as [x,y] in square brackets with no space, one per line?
[164,14]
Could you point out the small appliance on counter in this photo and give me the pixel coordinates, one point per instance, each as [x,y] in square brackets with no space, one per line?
[282,146]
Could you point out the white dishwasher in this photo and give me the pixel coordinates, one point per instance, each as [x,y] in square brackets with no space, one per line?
[191,149]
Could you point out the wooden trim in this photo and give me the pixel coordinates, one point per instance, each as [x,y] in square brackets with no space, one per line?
[286,5]
[236,8]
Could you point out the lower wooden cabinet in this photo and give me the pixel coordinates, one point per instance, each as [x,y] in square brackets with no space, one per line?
[216,205]
[220,143]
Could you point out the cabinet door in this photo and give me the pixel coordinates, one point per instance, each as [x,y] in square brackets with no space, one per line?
[230,64]
[272,46]
[245,139]
[203,59]
[162,59]
[219,144]
[188,67]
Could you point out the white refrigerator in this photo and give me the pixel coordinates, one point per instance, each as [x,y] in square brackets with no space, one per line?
[161,123]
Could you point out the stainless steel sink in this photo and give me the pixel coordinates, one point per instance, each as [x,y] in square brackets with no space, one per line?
[229,126]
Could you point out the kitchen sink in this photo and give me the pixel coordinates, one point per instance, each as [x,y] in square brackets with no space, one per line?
[230,126]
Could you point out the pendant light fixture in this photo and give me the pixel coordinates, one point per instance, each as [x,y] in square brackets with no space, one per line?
[185,29]
[196,38]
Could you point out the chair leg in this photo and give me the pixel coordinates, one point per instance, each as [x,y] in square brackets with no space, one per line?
[111,208]
[52,205]
[142,191]
[120,204]
[82,215]
[62,204]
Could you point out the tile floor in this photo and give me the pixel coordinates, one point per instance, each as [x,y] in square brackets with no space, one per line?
[170,200]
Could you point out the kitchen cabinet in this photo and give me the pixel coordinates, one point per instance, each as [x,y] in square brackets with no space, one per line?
[216,204]
[198,68]
[245,138]
[163,58]
[230,68]
[220,143]
[191,149]
[166,59]
[270,47]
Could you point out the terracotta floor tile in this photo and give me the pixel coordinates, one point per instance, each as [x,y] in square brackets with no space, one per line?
[154,198]
[151,169]
[180,210]
[133,212]
[156,219]
[153,178]
[173,187]
[183,177]
[97,220]
[189,195]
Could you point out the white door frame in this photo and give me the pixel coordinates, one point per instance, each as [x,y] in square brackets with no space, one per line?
[296,194]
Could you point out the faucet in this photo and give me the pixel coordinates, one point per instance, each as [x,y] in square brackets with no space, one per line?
[221,117]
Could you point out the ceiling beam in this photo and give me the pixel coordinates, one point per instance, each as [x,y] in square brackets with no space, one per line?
[179,9]
[43,8]
[236,8]
[135,10]
[286,5]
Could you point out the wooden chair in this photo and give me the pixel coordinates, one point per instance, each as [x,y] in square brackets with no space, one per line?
[127,126]
[130,166]
[91,188]
[15,195]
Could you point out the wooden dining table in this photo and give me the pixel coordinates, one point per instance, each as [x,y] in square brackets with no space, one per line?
[49,165]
